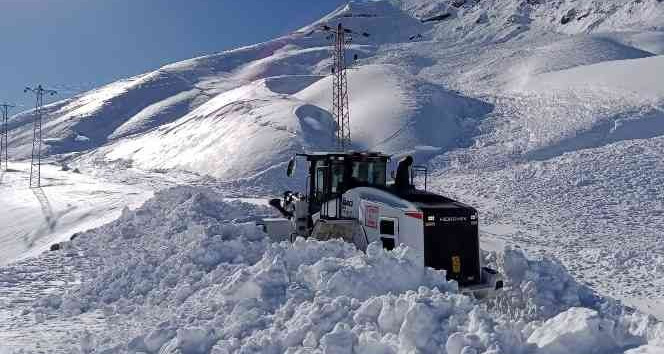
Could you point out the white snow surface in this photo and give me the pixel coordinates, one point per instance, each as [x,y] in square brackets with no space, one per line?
[188,272]
[33,219]
[545,115]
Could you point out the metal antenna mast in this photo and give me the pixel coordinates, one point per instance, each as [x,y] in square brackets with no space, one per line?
[35,166]
[3,134]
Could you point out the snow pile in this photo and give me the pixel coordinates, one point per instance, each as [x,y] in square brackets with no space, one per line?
[539,287]
[583,330]
[193,274]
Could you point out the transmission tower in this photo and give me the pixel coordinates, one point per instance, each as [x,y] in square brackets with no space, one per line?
[35,165]
[341,37]
[340,107]
[3,134]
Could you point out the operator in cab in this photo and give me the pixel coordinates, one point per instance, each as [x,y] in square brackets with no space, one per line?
[402,180]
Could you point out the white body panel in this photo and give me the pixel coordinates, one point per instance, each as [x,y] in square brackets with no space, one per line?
[370,206]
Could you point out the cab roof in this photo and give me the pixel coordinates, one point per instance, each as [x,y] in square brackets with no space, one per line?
[347,154]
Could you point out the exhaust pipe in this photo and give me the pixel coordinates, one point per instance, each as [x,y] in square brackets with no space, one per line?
[276,203]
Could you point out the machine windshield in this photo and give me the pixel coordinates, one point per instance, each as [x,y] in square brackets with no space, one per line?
[335,179]
[370,172]
[337,176]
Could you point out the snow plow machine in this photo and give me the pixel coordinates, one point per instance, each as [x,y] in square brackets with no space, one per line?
[348,197]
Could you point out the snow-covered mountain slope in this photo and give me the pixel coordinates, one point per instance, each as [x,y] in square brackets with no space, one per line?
[259,124]
[431,56]
[587,207]
[508,19]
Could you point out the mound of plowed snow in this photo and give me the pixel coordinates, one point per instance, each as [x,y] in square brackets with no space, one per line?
[193,276]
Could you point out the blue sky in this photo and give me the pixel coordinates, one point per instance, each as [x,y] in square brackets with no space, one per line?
[72,45]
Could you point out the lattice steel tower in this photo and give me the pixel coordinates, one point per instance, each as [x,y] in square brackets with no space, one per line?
[340,107]
[35,165]
[3,134]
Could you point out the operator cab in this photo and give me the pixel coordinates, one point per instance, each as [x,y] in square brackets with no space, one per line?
[333,173]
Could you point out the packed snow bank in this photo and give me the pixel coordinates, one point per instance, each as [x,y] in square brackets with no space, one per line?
[539,287]
[579,330]
[199,277]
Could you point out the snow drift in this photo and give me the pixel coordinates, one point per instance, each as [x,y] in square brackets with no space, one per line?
[195,277]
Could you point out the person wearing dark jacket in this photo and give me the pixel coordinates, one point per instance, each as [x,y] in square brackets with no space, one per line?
[402,180]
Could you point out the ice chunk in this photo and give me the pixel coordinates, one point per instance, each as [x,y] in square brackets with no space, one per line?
[577,330]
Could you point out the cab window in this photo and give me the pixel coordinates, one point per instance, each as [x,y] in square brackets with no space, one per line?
[321,171]
[369,172]
[337,176]
[386,226]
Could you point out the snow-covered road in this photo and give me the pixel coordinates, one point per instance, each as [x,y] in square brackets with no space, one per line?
[33,219]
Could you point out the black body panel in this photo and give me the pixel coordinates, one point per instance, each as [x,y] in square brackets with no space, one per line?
[451,242]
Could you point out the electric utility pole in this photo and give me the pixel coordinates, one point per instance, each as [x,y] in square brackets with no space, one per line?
[4,107]
[35,165]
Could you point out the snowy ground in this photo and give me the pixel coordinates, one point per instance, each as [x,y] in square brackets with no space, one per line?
[67,202]
[603,222]
[546,116]
[188,272]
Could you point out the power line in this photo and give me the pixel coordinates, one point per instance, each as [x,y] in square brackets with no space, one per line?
[35,165]
[4,107]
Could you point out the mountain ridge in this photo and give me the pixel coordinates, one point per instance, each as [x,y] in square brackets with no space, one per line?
[399,33]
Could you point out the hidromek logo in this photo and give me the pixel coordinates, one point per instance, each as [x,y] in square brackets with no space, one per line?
[453,218]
